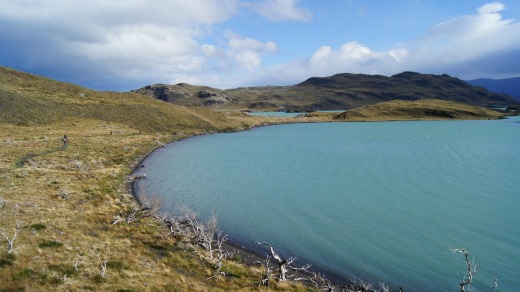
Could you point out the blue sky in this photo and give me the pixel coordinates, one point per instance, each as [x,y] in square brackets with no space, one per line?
[123,45]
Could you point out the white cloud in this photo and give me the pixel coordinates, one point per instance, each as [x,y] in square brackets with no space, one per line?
[351,57]
[466,39]
[114,13]
[491,8]
[241,53]
[238,43]
[458,47]
[134,38]
[135,42]
[281,10]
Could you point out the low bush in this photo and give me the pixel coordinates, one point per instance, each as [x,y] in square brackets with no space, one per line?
[50,244]
[38,226]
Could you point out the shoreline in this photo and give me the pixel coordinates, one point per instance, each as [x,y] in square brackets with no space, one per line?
[249,257]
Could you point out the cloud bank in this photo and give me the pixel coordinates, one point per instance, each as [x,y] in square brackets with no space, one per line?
[469,46]
[122,45]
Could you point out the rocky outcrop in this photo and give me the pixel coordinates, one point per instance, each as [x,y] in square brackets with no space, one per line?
[185,94]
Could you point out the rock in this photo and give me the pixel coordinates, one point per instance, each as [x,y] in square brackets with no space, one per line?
[205,94]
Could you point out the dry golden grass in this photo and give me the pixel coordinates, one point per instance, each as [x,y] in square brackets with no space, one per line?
[64,200]
[427,109]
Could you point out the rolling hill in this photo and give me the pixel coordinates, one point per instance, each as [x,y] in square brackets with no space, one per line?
[338,92]
[27,99]
[425,109]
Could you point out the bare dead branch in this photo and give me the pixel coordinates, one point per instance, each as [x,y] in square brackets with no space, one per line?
[472,268]
[11,240]
[102,261]
[266,277]
[384,287]
[150,207]
[284,264]
[17,228]
[320,282]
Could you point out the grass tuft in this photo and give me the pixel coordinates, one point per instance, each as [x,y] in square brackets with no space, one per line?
[50,244]
[115,265]
[7,260]
[38,226]
[27,273]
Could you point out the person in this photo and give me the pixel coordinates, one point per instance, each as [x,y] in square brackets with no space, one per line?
[64,139]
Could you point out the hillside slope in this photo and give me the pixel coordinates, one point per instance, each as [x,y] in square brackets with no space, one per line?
[27,99]
[59,203]
[417,110]
[338,92]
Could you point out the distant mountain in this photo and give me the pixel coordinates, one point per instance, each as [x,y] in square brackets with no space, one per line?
[338,92]
[509,86]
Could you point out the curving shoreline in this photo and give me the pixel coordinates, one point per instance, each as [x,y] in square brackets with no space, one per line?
[253,256]
[249,257]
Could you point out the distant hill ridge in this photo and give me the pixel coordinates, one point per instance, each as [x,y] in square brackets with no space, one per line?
[337,92]
[510,86]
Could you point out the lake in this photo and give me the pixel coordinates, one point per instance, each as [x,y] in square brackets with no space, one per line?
[284,114]
[381,202]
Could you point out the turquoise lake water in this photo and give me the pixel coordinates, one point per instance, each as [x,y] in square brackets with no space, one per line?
[284,114]
[383,201]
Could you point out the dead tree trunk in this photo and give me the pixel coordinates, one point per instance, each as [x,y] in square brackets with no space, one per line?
[102,261]
[266,278]
[472,269]
[17,226]
[284,264]
[320,282]
[10,241]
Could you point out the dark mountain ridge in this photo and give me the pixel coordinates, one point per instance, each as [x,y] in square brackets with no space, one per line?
[337,92]
[510,86]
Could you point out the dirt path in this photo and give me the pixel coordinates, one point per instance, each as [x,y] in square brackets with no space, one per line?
[24,159]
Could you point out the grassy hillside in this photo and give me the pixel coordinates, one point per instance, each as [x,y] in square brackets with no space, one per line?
[338,92]
[61,201]
[417,110]
[27,99]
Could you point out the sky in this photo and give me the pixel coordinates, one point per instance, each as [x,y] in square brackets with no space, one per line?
[124,45]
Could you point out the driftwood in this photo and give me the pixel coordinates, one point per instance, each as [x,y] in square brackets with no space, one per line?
[284,265]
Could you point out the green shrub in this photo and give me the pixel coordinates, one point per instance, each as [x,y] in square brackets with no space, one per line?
[7,259]
[62,269]
[27,273]
[56,281]
[50,244]
[236,258]
[38,226]
[115,265]
[98,279]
